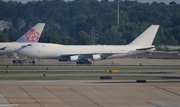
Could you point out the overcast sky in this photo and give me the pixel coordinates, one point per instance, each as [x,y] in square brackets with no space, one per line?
[165,1]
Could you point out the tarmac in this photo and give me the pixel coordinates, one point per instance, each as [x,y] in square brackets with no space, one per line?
[38,94]
[95,93]
[107,62]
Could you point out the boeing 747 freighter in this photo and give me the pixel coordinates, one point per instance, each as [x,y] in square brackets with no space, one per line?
[81,54]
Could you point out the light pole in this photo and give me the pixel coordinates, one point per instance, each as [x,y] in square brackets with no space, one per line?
[118,12]
[93,36]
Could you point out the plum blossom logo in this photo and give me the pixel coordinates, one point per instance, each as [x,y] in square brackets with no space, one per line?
[32,35]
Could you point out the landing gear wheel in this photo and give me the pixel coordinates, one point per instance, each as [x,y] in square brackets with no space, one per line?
[86,62]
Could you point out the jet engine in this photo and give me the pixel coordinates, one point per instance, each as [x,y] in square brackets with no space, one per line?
[74,58]
[96,57]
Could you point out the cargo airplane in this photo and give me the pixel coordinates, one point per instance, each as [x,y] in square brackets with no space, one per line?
[82,53]
[31,36]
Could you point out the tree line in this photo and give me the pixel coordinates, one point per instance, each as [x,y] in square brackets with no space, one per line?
[92,21]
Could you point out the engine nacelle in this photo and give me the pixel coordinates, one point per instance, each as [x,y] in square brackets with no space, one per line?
[63,60]
[96,57]
[74,58]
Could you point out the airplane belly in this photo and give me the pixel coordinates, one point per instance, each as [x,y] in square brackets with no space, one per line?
[117,56]
[7,50]
[4,52]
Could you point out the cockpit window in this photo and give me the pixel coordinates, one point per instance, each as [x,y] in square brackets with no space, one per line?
[29,45]
[26,45]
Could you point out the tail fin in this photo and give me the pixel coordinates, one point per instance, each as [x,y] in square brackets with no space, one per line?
[147,37]
[33,35]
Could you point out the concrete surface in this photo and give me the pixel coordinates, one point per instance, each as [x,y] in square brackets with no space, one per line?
[118,61]
[101,93]
[89,95]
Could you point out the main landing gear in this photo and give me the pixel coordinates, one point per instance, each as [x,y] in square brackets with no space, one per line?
[86,62]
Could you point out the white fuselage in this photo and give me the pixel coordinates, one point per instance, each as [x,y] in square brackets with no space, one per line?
[10,47]
[55,51]
[80,53]
[32,36]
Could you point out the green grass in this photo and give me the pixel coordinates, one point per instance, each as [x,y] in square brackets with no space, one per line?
[71,72]
[85,68]
[50,71]
[77,78]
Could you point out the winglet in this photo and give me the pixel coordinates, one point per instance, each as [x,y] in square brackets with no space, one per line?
[33,35]
[147,37]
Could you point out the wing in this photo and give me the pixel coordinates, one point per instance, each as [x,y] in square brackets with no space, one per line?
[82,57]
[89,55]
[3,48]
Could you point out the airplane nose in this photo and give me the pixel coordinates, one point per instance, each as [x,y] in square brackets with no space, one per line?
[29,52]
[24,51]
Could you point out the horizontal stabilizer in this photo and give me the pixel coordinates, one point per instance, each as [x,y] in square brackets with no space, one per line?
[147,48]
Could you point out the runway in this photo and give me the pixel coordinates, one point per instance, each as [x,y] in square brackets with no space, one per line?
[69,93]
[162,90]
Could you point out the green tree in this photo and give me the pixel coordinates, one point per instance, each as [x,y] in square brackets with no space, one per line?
[55,38]
[3,37]
[65,20]
[84,38]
